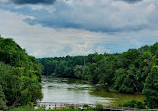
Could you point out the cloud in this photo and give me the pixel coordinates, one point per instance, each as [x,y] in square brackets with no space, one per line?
[131,1]
[51,1]
[49,42]
[21,2]
[79,27]
[43,42]
[109,16]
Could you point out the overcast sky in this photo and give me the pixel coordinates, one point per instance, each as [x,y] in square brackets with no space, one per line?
[49,28]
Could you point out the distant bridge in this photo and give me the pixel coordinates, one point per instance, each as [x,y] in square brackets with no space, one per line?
[59,105]
[56,105]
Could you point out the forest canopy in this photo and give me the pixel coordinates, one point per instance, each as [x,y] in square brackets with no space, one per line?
[132,71]
[20,76]
[135,70]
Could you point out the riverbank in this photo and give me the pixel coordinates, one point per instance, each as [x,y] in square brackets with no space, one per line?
[98,107]
[80,91]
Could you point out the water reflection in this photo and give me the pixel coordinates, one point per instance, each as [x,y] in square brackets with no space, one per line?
[77,91]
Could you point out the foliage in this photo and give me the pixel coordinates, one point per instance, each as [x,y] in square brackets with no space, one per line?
[2,100]
[134,104]
[27,108]
[99,107]
[85,106]
[20,75]
[125,72]
[151,88]
[65,66]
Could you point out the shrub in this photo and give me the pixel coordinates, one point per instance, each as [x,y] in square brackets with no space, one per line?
[133,104]
[99,107]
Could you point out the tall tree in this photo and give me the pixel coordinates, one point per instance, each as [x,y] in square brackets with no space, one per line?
[20,75]
[151,88]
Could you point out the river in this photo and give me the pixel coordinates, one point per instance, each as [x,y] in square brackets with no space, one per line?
[78,91]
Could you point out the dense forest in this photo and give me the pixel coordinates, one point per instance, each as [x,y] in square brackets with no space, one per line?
[129,72]
[20,76]
[133,71]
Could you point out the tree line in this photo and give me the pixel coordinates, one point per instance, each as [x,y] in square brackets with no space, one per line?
[20,76]
[135,70]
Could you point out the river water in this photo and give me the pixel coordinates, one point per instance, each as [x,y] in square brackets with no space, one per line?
[77,91]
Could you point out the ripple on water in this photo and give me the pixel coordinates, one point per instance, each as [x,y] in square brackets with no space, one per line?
[76,91]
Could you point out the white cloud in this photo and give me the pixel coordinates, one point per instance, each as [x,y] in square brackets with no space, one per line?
[47,41]
[40,41]
[4,1]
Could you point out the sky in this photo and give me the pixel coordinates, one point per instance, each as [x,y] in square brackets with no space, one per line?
[50,28]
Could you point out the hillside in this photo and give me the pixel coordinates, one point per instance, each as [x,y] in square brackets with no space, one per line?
[20,76]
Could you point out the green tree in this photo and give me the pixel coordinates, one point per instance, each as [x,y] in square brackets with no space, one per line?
[78,71]
[82,72]
[151,88]
[2,100]
[20,75]
[124,81]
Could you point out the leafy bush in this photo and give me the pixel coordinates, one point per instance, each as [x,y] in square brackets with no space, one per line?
[85,106]
[133,104]
[2,100]
[99,107]
[27,108]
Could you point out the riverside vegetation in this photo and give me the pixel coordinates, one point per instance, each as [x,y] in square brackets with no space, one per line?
[20,76]
[133,71]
